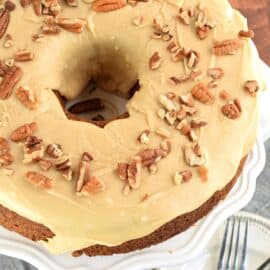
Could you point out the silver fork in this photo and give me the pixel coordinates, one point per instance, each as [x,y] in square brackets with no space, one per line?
[233,252]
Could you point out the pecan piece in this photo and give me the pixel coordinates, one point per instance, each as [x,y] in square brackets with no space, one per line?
[11,77]
[108,5]
[22,132]
[72,25]
[201,93]
[8,41]
[50,29]
[94,185]
[84,172]
[186,100]
[33,149]
[215,73]
[197,123]
[6,159]
[4,146]
[45,164]
[252,87]
[193,155]
[247,34]
[134,172]
[122,170]
[144,137]
[155,61]
[182,177]
[25,3]
[232,109]
[227,47]
[4,21]
[27,97]
[203,32]
[72,3]
[24,56]
[54,150]
[39,180]
[37,7]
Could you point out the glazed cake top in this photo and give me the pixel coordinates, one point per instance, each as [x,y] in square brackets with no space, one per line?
[189,125]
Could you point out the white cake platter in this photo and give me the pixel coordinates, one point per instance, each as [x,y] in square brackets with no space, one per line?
[176,251]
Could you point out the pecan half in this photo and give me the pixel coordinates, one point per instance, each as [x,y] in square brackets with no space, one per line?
[54,150]
[247,34]
[22,132]
[134,172]
[193,155]
[108,5]
[232,109]
[11,77]
[227,47]
[24,56]
[201,93]
[72,25]
[252,87]
[94,185]
[27,97]
[39,180]
[4,21]
[155,61]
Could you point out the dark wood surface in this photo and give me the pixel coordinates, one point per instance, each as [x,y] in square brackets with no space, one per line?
[258,14]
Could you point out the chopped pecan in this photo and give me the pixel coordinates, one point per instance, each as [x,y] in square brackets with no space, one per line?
[203,172]
[122,170]
[171,95]
[161,113]
[6,159]
[227,47]
[179,55]
[33,149]
[84,172]
[27,97]
[22,132]
[216,73]
[108,5]
[197,123]
[72,3]
[201,19]
[182,177]
[4,21]
[189,110]
[186,100]
[174,80]
[165,145]
[155,61]
[184,127]
[45,164]
[73,25]
[181,114]
[246,34]
[153,169]
[170,117]
[144,137]
[24,56]
[11,77]
[203,32]
[25,3]
[148,157]
[232,109]
[37,37]
[4,146]
[184,17]
[252,87]
[8,171]
[193,59]
[50,29]
[193,155]
[167,103]
[63,163]
[54,150]
[37,7]
[173,47]
[8,41]
[201,93]
[94,185]
[134,172]
[39,180]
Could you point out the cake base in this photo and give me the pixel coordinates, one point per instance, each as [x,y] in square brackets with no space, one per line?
[35,231]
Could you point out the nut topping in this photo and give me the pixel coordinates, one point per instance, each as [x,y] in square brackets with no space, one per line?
[11,77]
[246,34]
[6,157]
[108,5]
[94,185]
[8,41]
[197,123]
[232,109]
[54,150]
[45,164]
[134,172]
[155,61]
[25,3]
[27,97]
[252,87]
[201,93]
[123,171]
[4,146]
[144,137]
[167,103]
[39,180]
[22,132]
[216,73]
[193,156]
[186,100]
[182,177]
[227,47]
[84,173]
[224,95]
[24,56]
[33,149]
[72,25]
[4,21]
[72,3]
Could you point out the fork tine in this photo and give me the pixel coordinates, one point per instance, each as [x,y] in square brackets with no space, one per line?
[230,245]
[223,246]
[244,249]
[236,246]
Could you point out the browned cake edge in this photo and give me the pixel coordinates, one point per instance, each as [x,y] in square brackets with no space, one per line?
[35,231]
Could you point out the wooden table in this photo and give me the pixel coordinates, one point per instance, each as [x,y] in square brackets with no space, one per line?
[258,14]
